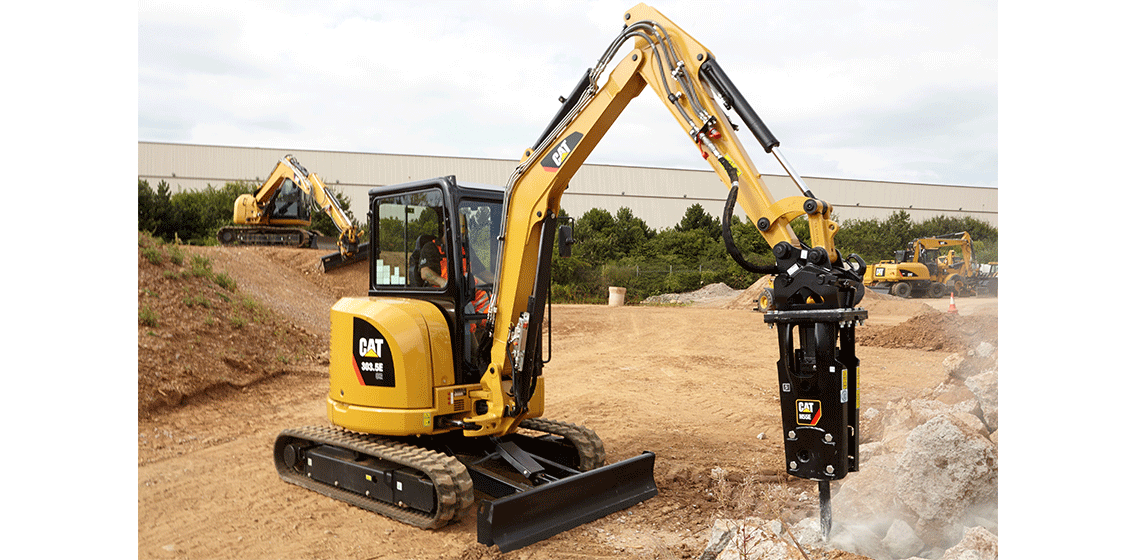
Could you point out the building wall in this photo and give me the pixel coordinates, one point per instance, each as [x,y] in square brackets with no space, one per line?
[659,196]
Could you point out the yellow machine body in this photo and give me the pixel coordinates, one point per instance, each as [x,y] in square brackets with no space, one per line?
[910,274]
[392,368]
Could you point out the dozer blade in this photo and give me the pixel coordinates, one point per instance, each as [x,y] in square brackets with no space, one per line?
[336,260]
[533,515]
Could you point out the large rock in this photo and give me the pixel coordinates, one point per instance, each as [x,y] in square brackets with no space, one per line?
[946,469]
[985,389]
[905,416]
[977,544]
[901,540]
[869,496]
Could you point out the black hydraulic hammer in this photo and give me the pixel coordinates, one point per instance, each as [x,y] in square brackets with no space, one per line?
[818,372]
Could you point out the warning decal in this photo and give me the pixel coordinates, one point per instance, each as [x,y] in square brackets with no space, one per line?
[808,412]
[373,364]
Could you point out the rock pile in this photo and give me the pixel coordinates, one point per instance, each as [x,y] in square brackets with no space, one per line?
[709,293]
[927,488]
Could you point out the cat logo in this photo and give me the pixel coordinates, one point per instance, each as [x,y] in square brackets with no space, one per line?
[374,365]
[371,347]
[556,157]
[808,412]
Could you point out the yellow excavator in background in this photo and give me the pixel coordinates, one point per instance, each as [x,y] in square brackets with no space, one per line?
[922,270]
[279,214]
[436,393]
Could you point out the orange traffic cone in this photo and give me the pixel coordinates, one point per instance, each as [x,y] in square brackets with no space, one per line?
[951,308]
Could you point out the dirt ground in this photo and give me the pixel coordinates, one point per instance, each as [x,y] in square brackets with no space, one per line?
[222,370]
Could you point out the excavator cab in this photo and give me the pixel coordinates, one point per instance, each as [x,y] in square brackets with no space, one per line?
[290,206]
[413,244]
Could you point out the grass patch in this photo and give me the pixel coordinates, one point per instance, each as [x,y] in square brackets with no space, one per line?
[177,255]
[153,254]
[198,300]
[201,267]
[225,281]
[147,317]
[254,308]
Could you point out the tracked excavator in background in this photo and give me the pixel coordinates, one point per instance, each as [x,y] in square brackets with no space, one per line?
[279,214]
[436,396]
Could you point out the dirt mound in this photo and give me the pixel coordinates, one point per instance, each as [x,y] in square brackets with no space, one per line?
[933,330]
[745,300]
[198,332]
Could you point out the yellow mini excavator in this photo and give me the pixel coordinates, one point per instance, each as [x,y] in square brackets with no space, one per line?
[279,214]
[436,396]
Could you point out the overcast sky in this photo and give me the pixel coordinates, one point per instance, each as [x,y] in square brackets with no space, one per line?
[881,90]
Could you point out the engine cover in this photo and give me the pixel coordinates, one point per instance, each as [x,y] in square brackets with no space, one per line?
[388,357]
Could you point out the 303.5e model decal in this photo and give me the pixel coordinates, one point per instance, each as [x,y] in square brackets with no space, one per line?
[373,364]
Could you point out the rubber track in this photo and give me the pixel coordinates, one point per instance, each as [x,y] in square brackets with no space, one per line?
[589,445]
[453,487]
[305,236]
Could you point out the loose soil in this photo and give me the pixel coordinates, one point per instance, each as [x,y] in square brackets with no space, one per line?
[229,359]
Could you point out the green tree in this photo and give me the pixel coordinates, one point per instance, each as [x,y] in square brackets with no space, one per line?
[684,248]
[155,211]
[629,233]
[696,218]
[875,240]
[201,213]
[595,236]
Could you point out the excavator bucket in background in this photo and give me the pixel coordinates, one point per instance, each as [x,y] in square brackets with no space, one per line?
[332,261]
[521,516]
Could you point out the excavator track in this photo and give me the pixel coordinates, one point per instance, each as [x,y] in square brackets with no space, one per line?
[450,483]
[588,445]
[273,236]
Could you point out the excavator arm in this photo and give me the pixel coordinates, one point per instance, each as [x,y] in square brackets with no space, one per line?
[815,289]
[685,75]
[349,235]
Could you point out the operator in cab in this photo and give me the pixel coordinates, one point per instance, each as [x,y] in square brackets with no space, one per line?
[432,263]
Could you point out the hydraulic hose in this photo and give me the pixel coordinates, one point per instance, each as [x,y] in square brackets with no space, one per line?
[727,233]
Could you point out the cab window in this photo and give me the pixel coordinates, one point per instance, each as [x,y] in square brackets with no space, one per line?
[409,236]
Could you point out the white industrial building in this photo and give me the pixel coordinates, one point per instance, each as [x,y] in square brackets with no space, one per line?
[659,196]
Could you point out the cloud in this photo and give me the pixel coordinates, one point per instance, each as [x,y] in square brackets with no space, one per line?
[885,88]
